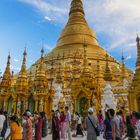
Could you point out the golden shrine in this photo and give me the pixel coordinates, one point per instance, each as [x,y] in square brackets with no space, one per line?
[76,65]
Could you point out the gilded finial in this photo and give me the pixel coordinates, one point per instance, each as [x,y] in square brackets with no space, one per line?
[76,6]
[122,55]
[9,57]
[138,39]
[25,53]
[42,52]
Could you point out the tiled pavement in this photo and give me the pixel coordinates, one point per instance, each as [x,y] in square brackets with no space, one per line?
[49,137]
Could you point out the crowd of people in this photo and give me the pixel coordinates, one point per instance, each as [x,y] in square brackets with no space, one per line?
[110,125]
[117,126]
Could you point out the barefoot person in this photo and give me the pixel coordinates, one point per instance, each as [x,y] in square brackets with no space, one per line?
[91,122]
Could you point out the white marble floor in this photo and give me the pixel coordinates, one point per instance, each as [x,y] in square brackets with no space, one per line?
[49,137]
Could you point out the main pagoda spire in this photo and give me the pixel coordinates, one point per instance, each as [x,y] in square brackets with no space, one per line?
[6,77]
[76,6]
[76,14]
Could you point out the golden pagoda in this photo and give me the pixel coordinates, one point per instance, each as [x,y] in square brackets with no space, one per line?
[71,41]
[68,61]
[134,92]
[4,86]
[6,77]
[77,63]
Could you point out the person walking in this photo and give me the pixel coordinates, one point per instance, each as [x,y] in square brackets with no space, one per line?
[15,129]
[44,125]
[107,127]
[79,126]
[55,126]
[100,122]
[2,120]
[27,131]
[115,124]
[62,125]
[38,127]
[5,125]
[75,119]
[130,129]
[91,123]
[68,123]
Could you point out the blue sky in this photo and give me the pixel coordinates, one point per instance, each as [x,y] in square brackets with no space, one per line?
[31,22]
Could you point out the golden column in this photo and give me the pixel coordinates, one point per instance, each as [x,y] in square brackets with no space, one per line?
[5,104]
[89,102]
[75,104]
[36,105]
[27,104]
[15,104]
[45,105]
[135,103]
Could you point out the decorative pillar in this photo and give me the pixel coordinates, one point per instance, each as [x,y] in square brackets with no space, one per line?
[41,105]
[36,105]
[5,104]
[89,104]
[26,104]
[45,102]
[135,104]
[14,106]
[75,104]
[19,107]
[51,104]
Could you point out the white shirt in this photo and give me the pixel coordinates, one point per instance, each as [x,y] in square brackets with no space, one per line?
[79,120]
[2,119]
[76,117]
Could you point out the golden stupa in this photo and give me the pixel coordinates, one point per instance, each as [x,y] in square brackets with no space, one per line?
[134,92]
[70,44]
[76,65]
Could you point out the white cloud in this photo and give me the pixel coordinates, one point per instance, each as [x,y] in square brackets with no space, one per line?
[47,18]
[131,44]
[119,19]
[50,9]
[48,47]
[128,57]
[16,60]
[31,61]
[17,69]
[12,67]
